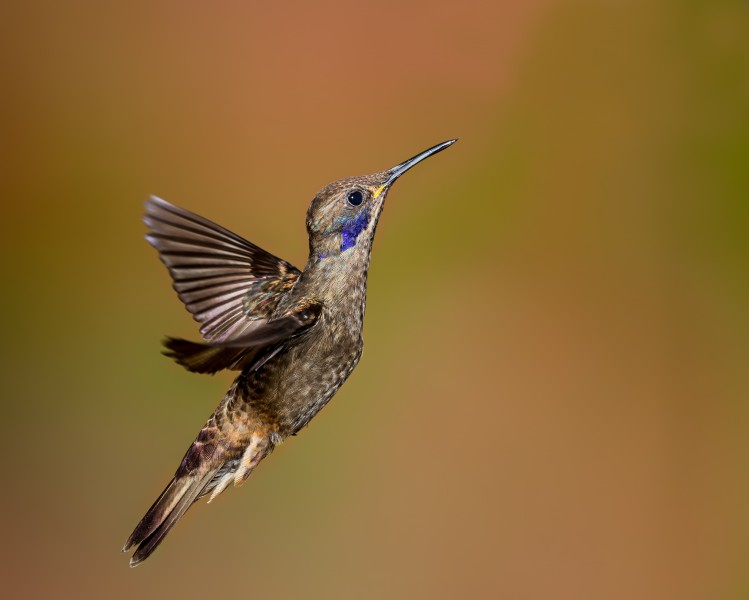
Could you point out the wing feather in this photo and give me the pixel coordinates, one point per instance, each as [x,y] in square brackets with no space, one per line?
[248,350]
[226,282]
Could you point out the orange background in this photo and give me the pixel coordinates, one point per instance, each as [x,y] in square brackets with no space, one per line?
[553,398]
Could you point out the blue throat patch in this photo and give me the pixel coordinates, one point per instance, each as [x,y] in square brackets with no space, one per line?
[352,228]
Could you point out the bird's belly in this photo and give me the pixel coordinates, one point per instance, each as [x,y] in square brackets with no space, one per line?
[310,374]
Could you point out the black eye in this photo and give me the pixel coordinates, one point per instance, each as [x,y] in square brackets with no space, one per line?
[355,198]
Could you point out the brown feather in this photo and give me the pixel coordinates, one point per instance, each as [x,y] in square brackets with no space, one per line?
[224,281]
[173,503]
[242,352]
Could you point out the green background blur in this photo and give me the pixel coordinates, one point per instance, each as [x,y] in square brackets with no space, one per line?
[553,398]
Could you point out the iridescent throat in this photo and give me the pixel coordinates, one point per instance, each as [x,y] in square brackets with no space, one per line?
[352,227]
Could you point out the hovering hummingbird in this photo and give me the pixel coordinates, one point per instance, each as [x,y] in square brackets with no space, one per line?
[294,336]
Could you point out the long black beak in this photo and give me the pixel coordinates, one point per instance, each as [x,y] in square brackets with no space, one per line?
[397,171]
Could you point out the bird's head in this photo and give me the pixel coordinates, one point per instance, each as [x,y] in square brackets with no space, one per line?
[343,215]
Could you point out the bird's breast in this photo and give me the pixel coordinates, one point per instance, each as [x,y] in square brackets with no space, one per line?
[313,370]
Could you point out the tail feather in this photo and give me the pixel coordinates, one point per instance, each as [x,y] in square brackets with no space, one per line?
[170,506]
[157,513]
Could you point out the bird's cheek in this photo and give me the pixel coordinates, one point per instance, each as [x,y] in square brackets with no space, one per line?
[333,227]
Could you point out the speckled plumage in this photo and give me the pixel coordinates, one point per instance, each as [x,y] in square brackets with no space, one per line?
[294,336]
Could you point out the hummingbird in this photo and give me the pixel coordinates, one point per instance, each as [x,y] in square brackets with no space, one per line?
[294,336]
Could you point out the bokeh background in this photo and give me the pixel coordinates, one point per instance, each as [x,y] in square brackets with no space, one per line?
[553,398]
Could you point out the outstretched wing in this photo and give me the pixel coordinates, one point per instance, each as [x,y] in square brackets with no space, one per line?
[249,350]
[227,283]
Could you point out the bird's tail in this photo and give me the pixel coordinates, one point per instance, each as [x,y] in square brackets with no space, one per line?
[174,501]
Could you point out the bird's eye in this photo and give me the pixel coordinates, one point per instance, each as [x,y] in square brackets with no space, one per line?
[355,198]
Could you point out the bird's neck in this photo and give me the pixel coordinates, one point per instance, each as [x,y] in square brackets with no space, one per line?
[340,281]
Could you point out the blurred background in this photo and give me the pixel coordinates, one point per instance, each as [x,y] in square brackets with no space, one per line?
[553,398]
